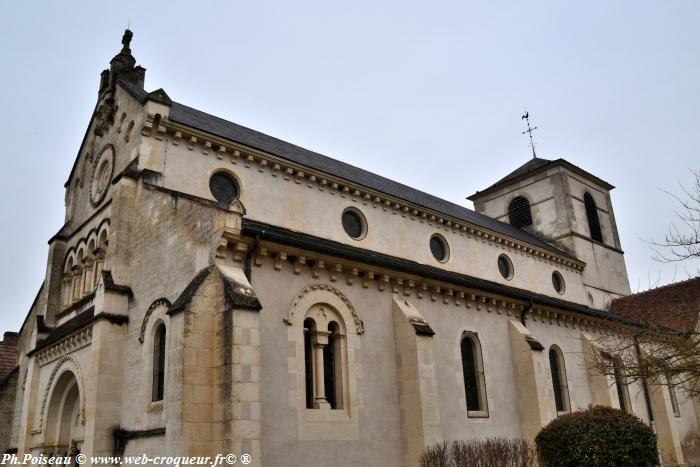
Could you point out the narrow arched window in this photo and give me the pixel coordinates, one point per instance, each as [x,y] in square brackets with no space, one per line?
[159,363]
[309,327]
[592,215]
[558,369]
[473,371]
[519,213]
[621,386]
[331,366]
[674,398]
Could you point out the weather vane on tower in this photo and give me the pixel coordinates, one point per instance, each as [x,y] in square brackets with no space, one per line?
[529,131]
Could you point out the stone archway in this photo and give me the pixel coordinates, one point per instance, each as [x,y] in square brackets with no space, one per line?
[63,425]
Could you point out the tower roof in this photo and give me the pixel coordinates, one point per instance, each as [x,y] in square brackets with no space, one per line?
[534,166]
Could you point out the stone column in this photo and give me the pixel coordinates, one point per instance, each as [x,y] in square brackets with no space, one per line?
[88,274]
[78,283]
[319,339]
[533,380]
[67,290]
[99,261]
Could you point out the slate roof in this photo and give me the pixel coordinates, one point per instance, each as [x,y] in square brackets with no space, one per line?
[530,166]
[674,306]
[217,126]
[535,165]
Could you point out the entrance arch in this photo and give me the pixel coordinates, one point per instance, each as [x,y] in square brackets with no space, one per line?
[64,427]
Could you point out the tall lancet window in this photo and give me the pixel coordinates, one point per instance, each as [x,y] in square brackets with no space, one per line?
[519,212]
[621,386]
[473,372]
[309,328]
[561,388]
[159,363]
[592,215]
[331,365]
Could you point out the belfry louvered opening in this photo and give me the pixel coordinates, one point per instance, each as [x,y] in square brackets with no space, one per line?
[592,215]
[519,213]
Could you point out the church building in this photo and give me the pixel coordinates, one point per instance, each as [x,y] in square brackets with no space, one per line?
[215,290]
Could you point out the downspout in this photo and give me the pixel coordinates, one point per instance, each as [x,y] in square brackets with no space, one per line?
[247,269]
[523,311]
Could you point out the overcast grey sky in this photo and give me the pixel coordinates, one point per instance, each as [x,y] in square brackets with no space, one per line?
[427,93]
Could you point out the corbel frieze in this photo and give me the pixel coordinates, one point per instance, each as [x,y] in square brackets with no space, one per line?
[65,346]
[238,154]
[317,266]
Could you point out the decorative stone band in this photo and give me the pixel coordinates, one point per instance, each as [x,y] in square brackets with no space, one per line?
[70,344]
[236,153]
[307,254]
[71,335]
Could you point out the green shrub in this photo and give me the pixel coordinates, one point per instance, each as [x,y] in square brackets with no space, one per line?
[490,452]
[598,436]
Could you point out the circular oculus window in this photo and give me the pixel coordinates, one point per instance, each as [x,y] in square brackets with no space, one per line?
[558,282]
[354,223]
[102,175]
[505,267]
[223,187]
[439,248]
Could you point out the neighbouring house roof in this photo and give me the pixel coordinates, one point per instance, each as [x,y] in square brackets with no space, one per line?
[8,354]
[674,306]
[217,126]
[537,165]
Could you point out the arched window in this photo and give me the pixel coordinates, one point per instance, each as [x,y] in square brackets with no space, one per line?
[473,371]
[331,366]
[558,369]
[324,337]
[592,215]
[674,398]
[159,363]
[309,329]
[621,386]
[519,213]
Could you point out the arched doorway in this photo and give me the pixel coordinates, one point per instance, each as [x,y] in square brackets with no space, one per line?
[64,428]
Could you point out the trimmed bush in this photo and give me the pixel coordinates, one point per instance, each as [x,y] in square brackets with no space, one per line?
[598,436]
[490,452]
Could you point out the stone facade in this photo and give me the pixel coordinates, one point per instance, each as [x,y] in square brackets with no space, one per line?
[177,320]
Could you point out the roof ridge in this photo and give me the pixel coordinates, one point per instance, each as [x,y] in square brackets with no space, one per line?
[659,288]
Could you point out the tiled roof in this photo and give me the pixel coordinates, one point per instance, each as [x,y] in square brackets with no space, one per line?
[217,126]
[675,306]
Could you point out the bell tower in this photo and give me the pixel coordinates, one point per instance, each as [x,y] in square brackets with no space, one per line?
[569,208]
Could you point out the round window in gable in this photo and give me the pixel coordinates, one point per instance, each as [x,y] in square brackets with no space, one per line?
[354,223]
[558,282]
[439,248]
[223,187]
[505,267]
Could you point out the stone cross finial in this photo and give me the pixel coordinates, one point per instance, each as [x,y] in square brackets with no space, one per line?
[126,40]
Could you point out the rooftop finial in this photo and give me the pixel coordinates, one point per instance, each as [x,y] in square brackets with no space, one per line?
[529,131]
[126,40]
